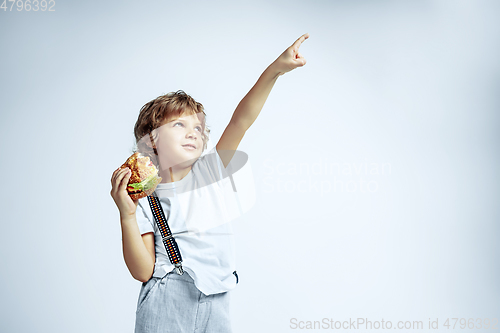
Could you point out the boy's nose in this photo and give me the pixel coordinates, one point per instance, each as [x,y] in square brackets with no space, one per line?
[192,134]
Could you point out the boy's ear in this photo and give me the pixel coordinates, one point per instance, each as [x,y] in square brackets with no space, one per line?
[146,145]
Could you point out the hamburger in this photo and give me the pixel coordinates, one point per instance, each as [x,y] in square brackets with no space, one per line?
[144,177]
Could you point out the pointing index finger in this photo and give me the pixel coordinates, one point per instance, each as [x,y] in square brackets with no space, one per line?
[300,40]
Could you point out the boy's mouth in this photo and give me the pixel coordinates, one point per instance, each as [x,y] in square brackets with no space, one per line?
[189,146]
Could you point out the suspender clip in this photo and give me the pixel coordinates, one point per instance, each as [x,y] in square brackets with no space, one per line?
[178,268]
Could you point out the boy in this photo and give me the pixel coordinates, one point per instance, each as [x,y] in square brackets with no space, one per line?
[171,130]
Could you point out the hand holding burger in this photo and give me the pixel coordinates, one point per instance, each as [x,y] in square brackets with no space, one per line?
[135,179]
[143,178]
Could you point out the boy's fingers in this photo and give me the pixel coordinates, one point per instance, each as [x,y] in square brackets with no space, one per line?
[118,179]
[124,180]
[116,174]
[300,40]
[113,175]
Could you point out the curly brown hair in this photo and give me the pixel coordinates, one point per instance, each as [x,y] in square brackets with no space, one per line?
[162,110]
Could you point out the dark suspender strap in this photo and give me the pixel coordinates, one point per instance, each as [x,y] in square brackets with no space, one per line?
[168,240]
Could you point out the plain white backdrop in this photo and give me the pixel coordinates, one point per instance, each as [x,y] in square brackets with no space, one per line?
[375,165]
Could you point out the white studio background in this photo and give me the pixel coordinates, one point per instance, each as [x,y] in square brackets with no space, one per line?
[375,165]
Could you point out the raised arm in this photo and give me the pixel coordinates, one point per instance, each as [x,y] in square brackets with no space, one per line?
[250,106]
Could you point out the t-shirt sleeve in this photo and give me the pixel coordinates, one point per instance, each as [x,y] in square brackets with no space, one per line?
[235,182]
[143,218]
[211,167]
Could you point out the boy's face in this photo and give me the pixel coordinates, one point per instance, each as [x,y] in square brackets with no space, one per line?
[179,141]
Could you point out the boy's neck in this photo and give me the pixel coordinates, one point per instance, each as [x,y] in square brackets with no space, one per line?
[174,175]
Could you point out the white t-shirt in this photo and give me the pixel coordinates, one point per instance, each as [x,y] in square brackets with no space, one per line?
[198,209]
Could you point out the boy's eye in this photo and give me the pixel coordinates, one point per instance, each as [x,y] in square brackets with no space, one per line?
[198,127]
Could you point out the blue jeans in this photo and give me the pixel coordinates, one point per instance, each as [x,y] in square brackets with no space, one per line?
[174,304]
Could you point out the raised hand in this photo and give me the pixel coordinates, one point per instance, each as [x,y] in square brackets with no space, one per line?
[291,58]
